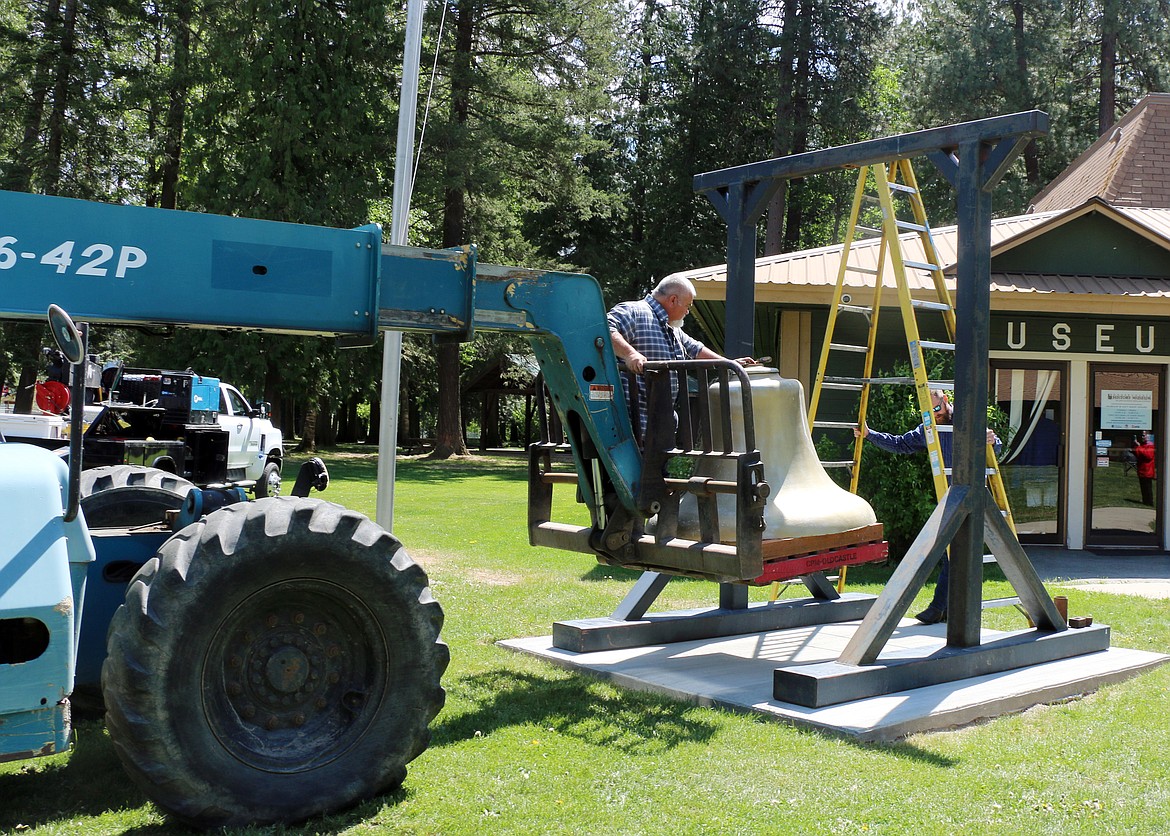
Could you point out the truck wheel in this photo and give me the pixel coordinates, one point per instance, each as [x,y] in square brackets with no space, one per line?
[269,482]
[129,495]
[276,660]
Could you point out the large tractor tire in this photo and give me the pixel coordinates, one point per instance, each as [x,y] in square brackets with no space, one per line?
[129,495]
[276,660]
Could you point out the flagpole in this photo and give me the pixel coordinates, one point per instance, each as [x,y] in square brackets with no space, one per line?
[399,218]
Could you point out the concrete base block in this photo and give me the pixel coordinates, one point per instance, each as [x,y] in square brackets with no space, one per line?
[737,672]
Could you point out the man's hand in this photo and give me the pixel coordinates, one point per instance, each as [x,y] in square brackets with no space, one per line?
[860,432]
[635,362]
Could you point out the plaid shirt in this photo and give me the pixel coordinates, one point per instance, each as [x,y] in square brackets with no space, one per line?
[645,326]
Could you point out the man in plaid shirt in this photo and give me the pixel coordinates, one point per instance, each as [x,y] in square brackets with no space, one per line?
[651,329]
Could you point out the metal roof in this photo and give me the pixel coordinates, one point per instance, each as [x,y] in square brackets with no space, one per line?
[808,276]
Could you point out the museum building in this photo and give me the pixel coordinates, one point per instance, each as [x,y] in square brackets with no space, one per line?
[1080,335]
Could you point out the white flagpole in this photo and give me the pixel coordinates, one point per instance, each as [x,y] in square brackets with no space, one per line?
[392,340]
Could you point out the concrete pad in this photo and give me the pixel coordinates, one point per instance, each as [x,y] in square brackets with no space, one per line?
[737,673]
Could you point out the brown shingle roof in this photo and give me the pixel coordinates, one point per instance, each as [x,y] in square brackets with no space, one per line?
[1129,166]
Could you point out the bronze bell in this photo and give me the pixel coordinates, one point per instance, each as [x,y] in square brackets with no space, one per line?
[804,501]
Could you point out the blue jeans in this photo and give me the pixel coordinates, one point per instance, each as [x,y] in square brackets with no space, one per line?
[939,601]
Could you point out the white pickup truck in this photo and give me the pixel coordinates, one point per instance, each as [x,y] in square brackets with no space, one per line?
[239,444]
[255,446]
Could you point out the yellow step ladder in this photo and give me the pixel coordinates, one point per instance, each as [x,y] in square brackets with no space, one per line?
[893,188]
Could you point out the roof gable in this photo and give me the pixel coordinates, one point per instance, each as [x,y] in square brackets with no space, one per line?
[1093,240]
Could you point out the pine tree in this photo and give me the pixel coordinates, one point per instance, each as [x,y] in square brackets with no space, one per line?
[519,82]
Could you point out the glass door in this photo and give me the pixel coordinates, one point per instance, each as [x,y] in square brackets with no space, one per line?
[1124,488]
[1031,401]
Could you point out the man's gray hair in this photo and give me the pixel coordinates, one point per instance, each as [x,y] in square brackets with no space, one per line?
[673,286]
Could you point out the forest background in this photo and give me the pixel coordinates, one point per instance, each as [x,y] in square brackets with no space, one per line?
[553,133]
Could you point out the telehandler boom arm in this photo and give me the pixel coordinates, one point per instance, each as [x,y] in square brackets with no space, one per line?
[134,265]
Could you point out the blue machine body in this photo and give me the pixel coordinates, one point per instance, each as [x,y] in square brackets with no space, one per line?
[43,563]
[119,553]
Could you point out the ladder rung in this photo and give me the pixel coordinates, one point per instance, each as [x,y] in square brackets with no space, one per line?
[991,603]
[906,226]
[857,381]
[869,271]
[926,305]
[871,199]
[834,425]
[844,387]
[901,187]
[945,385]
[848,464]
[858,349]
[861,309]
[990,471]
[938,345]
[868,230]
[989,558]
[922,265]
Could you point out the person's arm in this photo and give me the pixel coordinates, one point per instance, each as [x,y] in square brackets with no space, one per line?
[911,442]
[707,354]
[635,361]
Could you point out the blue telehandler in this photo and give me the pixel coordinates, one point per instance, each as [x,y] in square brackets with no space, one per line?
[271,660]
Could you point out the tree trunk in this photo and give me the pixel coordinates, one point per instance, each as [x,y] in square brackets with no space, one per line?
[449,433]
[641,149]
[327,428]
[25,340]
[316,411]
[374,432]
[176,107]
[309,430]
[55,145]
[449,439]
[25,390]
[1107,101]
[784,126]
[1031,150]
[801,113]
[19,176]
[406,399]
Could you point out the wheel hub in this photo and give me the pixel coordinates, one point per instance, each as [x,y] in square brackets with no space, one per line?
[288,670]
[295,675]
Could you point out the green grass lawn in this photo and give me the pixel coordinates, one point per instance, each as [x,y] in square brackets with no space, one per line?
[523,747]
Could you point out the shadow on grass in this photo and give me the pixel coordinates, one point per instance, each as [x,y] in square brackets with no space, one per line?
[89,782]
[344,464]
[637,723]
[577,707]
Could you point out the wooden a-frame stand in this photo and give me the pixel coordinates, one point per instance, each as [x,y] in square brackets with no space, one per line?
[973,157]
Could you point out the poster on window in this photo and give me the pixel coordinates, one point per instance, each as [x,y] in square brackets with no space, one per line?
[1126,409]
